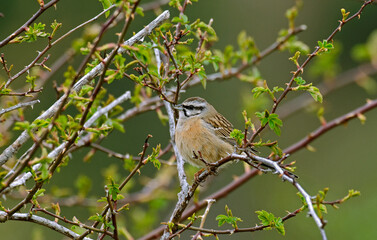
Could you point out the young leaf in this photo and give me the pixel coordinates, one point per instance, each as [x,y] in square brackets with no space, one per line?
[238,135]
[316,94]
[268,219]
[153,157]
[228,218]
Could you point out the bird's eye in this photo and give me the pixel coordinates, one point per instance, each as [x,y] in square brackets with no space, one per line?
[189,107]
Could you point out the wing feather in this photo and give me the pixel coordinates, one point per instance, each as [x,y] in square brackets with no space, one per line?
[221,127]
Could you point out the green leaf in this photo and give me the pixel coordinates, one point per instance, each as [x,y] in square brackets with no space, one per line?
[153,157]
[140,11]
[295,57]
[258,91]
[22,126]
[316,94]
[44,171]
[238,135]
[228,218]
[265,217]
[32,33]
[272,120]
[31,79]
[39,193]
[5,91]
[106,4]
[97,218]
[351,193]
[344,14]
[324,46]
[175,3]
[268,219]
[55,26]
[113,190]
[300,81]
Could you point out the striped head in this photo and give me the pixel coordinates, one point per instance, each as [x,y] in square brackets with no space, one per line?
[193,107]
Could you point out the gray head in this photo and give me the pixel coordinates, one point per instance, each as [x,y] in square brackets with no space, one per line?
[193,106]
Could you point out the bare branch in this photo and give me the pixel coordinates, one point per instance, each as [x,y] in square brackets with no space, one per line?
[371,104]
[20,105]
[26,217]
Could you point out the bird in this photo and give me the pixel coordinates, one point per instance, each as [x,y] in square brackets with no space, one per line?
[202,134]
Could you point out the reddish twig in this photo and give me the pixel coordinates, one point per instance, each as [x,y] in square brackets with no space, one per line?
[371,104]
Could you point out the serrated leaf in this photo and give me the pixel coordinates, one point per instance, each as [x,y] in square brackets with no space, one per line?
[316,94]
[238,135]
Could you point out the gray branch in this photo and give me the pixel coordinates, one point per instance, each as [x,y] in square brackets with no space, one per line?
[20,105]
[281,172]
[21,180]
[97,70]
[41,221]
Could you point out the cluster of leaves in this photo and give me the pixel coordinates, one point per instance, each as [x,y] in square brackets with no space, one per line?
[228,218]
[319,202]
[270,221]
[37,31]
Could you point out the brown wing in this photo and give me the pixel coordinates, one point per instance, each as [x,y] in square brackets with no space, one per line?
[221,126]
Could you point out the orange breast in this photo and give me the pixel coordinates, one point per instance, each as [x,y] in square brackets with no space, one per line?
[195,139]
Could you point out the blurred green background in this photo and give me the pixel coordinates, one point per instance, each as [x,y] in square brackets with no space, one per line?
[345,157]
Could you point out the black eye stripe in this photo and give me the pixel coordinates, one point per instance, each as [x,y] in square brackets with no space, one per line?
[189,107]
[185,112]
[192,107]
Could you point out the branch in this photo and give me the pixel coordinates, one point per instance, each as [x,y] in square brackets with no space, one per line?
[223,192]
[153,103]
[21,180]
[26,217]
[300,68]
[238,230]
[50,45]
[141,163]
[371,104]
[28,22]
[64,219]
[54,165]
[343,79]
[232,72]
[20,105]
[16,145]
[273,164]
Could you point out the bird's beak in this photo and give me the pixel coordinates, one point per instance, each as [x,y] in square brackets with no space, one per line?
[178,107]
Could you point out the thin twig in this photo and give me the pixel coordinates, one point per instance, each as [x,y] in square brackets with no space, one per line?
[20,105]
[50,45]
[371,104]
[347,77]
[28,22]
